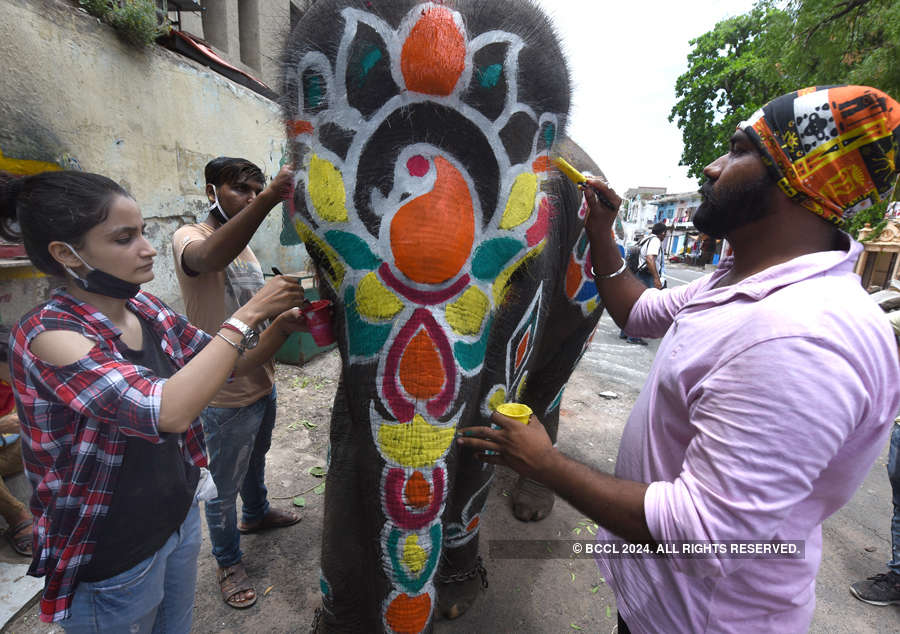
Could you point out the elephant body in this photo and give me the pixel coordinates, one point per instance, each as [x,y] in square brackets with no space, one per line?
[457,263]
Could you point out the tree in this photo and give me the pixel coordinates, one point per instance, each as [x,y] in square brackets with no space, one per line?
[839,42]
[775,48]
[726,81]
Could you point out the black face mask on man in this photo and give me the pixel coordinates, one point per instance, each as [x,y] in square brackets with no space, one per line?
[96,281]
[216,209]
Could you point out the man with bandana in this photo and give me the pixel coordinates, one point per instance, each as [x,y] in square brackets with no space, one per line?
[773,388]
[218,273]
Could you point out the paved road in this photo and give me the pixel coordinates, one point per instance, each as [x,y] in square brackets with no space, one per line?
[627,363]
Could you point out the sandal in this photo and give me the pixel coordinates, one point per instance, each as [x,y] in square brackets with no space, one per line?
[232,581]
[275,518]
[20,543]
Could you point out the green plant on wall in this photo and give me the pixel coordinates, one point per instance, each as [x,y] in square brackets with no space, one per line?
[135,20]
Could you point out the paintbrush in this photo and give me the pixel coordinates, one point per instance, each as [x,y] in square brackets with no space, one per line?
[581,180]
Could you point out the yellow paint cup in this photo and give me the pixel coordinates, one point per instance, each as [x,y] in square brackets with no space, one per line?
[515,410]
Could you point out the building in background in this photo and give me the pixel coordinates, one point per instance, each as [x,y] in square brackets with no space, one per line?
[78,96]
[677,211]
[639,210]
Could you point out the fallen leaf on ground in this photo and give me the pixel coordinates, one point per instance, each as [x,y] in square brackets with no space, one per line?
[316,471]
[608,612]
[299,501]
[575,627]
[268,590]
[309,425]
[319,490]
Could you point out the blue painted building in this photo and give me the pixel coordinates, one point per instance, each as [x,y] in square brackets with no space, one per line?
[677,211]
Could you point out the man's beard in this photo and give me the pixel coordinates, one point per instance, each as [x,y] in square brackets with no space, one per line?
[730,208]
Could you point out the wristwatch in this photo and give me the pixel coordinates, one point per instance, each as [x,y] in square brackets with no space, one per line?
[250,337]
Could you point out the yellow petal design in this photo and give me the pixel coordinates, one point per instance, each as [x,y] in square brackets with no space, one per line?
[414,556]
[497,398]
[466,315]
[326,190]
[375,301]
[416,444]
[334,273]
[520,205]
[521,389]
[501,284]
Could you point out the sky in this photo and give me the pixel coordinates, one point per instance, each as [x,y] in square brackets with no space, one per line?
[624,58]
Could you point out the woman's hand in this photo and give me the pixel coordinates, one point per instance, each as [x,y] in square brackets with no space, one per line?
[9,424]
[527,449]
[291,321]
[278,295]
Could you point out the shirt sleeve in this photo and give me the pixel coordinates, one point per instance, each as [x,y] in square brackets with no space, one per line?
[107,389]
[182,237]
[767,424]
[655,309]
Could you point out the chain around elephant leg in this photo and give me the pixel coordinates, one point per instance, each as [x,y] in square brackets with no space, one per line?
[457,590]
[531,500]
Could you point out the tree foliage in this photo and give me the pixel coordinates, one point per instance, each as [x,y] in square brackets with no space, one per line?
[775,48]
[727,80]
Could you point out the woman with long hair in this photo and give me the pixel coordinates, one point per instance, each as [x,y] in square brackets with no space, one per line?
[109,383]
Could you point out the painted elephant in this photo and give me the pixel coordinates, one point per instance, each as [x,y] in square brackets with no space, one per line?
[457,262]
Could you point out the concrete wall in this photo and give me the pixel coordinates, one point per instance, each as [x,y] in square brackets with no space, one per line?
[74,94]
[249,34]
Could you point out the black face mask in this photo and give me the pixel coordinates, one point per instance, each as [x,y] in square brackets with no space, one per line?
[96,281]
[216,209]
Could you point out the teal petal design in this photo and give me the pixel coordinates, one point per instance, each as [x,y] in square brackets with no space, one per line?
[471,355]
[372,57]
[353,250]
[549,134]
[557,401]
[313,91]
[492,257]
[414,585]
[490,76]
[363,339]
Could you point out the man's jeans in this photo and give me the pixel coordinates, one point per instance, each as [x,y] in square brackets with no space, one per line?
[237,439]
[894,475]
[156,595]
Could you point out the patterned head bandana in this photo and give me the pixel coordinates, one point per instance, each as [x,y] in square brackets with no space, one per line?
[832,149]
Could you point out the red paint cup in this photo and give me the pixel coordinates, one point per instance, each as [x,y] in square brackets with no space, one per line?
[318,316]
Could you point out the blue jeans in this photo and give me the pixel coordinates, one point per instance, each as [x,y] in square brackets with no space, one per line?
[893,469]
[156,595]
[237,439]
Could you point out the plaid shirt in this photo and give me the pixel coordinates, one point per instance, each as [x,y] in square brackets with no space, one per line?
[76,420]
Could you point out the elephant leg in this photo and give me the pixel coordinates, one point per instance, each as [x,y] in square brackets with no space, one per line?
[531,500]
[461,576]
[352,578]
